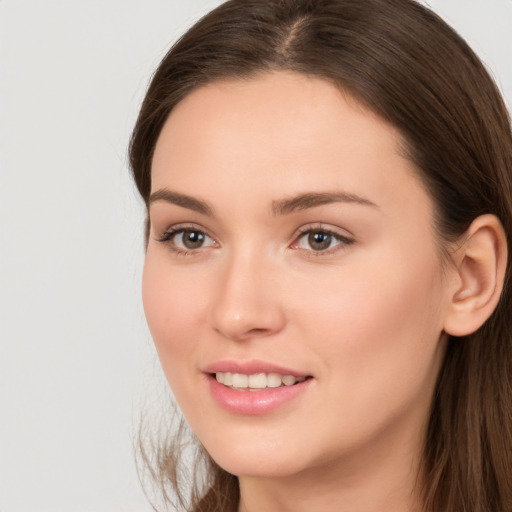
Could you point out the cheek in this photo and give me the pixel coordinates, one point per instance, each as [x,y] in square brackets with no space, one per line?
[172,306]
[375,336]
[380,328]
[395,290]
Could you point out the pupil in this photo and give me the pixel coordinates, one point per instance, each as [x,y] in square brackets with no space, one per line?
[319,240]
[193,239]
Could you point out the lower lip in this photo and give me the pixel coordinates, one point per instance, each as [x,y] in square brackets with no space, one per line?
[255,402]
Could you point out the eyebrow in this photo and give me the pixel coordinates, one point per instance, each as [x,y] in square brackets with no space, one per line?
[281,207]
[182,200]
[312,199]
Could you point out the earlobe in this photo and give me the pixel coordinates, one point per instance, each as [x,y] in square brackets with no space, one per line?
[479,264]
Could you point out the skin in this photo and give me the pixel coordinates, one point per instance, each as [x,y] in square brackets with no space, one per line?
[364,319]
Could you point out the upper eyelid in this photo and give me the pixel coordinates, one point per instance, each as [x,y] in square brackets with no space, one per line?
[341,238]
[185,226]
[332,230]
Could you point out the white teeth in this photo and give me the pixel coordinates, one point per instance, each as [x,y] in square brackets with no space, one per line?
[289,380]
[273,380]
[256,380]
[240,380]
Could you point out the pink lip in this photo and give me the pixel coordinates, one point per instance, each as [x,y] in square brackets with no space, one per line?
[253,402]
[250,367]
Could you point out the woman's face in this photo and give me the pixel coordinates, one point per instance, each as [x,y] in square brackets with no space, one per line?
[292,248]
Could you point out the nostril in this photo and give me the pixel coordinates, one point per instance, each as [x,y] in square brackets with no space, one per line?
[259,331]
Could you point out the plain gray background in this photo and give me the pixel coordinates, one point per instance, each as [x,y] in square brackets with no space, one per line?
[76,359]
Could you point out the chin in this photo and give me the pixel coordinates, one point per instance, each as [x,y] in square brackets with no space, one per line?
[259,460]
[258,469]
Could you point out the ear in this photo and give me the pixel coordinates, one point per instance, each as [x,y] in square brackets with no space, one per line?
[479,271]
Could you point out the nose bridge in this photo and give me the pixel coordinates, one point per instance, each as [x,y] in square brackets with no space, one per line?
[245,304]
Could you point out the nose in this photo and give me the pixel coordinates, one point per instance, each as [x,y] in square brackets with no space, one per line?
[247,302]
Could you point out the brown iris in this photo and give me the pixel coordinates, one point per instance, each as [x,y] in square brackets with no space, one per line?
[319,240]
[192,239]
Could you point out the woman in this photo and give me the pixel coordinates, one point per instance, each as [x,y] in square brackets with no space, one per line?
[329,199]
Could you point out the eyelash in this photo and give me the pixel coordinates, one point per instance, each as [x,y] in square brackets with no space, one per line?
[342,239]
[167,238]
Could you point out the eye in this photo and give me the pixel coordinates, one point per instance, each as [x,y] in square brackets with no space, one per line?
[320,240]
[184,240]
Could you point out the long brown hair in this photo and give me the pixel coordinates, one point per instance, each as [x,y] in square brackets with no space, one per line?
[404,63]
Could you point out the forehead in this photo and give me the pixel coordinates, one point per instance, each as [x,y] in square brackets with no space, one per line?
[281,131]
[280,110]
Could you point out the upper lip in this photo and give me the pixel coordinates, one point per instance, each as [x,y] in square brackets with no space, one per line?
[250,368]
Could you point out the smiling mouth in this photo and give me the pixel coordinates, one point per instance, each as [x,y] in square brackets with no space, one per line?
[256,381]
